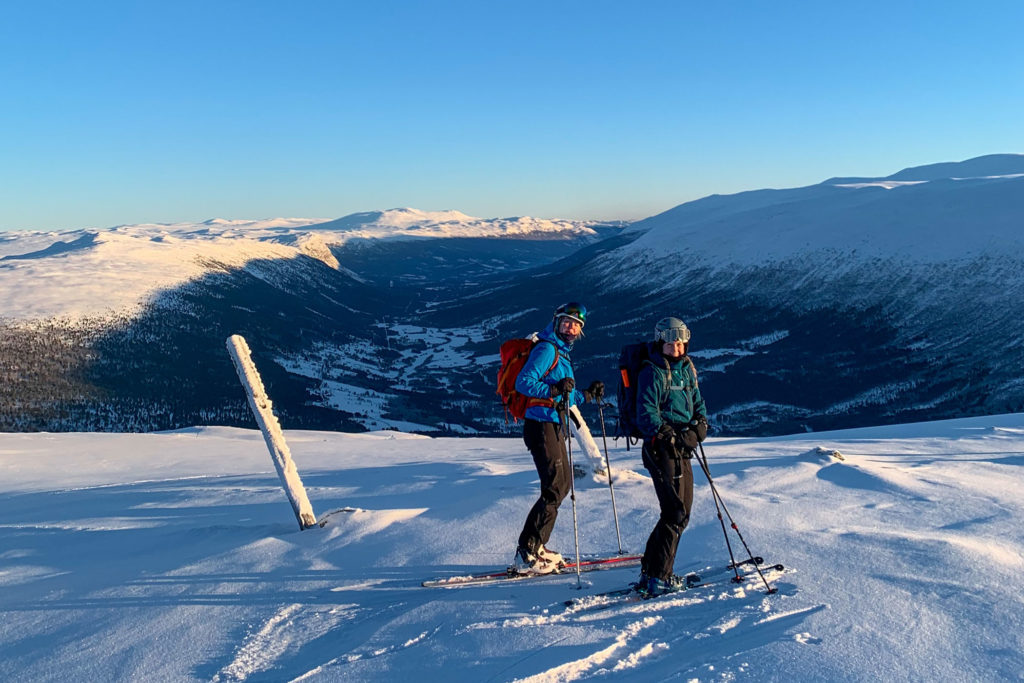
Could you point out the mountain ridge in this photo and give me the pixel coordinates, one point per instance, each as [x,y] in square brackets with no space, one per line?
[904,307]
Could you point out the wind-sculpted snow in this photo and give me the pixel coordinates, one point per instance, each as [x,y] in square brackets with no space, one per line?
[175,557]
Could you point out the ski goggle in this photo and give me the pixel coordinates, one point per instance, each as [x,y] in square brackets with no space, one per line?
[674,334]
[577,312]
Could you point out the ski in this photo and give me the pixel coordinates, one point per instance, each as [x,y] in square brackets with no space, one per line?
[512,574]
[709,577]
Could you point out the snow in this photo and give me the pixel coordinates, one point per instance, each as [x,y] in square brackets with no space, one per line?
[411,223]
[886,184]
[928,215]
[175,556]
[100,272]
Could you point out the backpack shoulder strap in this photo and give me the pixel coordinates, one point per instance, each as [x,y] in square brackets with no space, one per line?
[554,362]
[666,377]
[668,373]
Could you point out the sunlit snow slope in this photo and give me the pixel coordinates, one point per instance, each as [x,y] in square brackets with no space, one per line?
[176,556]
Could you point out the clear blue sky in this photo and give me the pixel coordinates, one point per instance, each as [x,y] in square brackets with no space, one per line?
[115,112]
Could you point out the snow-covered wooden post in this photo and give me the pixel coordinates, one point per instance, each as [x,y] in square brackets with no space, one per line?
[578,427]
[265,418]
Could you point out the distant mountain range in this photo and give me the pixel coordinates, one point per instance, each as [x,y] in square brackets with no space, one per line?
[856,301]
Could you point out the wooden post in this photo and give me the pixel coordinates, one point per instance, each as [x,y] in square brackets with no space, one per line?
[265,418]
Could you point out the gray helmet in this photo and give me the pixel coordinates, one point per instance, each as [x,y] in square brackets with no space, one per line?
[670,330]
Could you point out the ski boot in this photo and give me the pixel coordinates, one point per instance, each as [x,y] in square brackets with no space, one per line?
[551,556]
[652,586]
[529,562]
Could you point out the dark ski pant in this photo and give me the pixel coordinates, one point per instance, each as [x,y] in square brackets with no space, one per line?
[673,483]
[544,439]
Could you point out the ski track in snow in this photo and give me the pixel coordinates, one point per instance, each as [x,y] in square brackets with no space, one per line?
[571,671]
[175,557]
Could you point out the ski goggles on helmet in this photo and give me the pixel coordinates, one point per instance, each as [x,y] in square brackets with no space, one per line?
[674,334]
[573,311]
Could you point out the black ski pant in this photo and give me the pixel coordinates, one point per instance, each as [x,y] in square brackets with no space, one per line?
[673,483]
[544,439]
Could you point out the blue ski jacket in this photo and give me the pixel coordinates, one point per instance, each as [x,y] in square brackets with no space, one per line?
[535,381]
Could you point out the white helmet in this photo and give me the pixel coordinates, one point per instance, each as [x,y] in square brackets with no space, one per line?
[670,330]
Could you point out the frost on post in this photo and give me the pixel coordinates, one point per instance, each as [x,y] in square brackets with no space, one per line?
[584,439]
[279,453]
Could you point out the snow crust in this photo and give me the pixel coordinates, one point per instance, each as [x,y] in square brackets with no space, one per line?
[175,556]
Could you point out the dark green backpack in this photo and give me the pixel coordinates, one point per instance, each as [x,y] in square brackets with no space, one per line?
[631,359]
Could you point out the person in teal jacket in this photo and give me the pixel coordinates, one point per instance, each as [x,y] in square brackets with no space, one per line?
[672,417]
[547,378]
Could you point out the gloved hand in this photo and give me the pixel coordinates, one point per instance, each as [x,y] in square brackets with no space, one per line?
[689,439]
[563,386]
[700,426]
[664,441]
[595,392]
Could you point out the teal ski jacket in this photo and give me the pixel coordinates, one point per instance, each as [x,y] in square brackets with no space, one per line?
[667,391]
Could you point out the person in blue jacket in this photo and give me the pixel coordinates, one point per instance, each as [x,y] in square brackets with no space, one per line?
[547,378]
[672,417]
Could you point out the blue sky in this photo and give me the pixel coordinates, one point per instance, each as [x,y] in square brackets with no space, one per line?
[116,112]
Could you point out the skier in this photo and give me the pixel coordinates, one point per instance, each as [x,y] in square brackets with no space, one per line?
[547,378]
[671,415]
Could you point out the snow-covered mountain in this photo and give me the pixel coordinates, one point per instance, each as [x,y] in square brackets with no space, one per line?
[931,214]
[176,557]
[123,328]
[411,223]
[855,301]
[95,272]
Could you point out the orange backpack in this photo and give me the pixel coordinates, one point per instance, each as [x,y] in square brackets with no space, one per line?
[514,353]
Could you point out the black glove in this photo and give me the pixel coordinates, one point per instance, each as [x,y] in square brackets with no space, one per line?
[700,426]
[595,392]
[664,441]
[689,438]
[563,386]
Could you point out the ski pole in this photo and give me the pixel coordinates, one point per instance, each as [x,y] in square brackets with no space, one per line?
[718,511]
[718,497]
[703,460]
[608,469]
[572,486]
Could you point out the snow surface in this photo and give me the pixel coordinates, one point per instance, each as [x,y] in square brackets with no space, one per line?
[92,272]
[175,556]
